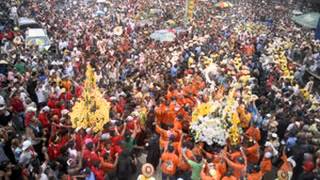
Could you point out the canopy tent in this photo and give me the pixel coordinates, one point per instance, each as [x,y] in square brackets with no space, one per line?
[163,35]
[308,20]
[223,4]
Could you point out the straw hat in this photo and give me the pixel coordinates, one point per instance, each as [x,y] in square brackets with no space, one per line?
[147,170]
[118,30]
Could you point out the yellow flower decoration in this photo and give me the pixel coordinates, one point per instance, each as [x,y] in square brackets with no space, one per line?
[91,110]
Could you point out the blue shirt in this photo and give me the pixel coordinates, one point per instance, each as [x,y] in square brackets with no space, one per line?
[173,72]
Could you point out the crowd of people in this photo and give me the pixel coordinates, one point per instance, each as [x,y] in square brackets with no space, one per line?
[154,87]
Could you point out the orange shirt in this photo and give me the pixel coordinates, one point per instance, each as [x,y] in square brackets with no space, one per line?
[171,94]
[169,117]
[233,156]
[164,136]
[169,163]
[221,167]
[229,178]
[255,176]
[177,125]
[286,167]
[253,153]
[183,164]
[160,112]
[254,133]
[238,168]
[266,165]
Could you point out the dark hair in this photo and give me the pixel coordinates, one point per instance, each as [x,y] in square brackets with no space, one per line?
[198,158]
[170,148]
[89,146]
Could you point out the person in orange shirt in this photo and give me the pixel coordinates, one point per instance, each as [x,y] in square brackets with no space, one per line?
[229,176]
[169,117]
[177,124]
[244,116]
[210,172]
[160,110]
[197,149]
[239,167]
[252,151]
[256,174]
[169,163]
[165,135]
[286,169]
[266,163]
[171,93]
[254,132]
[183,166]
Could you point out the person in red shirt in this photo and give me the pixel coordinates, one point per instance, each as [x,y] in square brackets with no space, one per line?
[116,139]
[98,172]
[10,35]
[30,113]
[43,117]
[90,155]
[16,103]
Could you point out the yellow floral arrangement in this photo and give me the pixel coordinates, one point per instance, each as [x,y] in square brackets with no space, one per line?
[202,110]
[91,110]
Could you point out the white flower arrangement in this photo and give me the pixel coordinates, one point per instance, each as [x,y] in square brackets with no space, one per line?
[209,130]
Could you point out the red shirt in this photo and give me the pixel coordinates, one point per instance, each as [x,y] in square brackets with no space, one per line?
[78,91]
[115,148]
[17,104]
[99,174]
[28,117]
[90,157]
[52,103]
[10,35]
[43,118]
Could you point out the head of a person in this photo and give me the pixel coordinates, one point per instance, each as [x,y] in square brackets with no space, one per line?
[198,158]
[170,149]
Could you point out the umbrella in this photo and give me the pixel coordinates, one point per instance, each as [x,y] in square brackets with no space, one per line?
[309,20]
[223,4]
[163,35]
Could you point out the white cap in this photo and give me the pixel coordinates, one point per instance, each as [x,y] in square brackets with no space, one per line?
[268,155]
[2,103]
[31,109]
[46,108]
[26,144]
[88,130]
[274,135]
[105,136]
[129,118]
[65,112]
[292,161]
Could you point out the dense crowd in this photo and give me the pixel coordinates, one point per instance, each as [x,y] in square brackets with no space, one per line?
[154,87]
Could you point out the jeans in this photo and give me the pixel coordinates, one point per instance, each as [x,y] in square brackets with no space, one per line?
[166,176]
